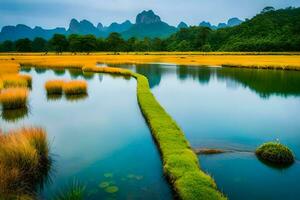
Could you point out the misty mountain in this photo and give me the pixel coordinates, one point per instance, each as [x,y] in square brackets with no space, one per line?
[230,23]
[148,24]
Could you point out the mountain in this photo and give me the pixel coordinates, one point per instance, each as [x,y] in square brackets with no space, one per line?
[234,22]
[83,27]
[115,27]
[23,31]
[230,23]
[148,24]
[182,25]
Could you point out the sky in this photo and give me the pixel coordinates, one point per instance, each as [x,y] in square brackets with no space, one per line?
[58,13]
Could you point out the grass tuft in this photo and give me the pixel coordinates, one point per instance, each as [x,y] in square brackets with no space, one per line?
[17,80]
[54,87]
[24,161]
[73,192]
[275,153]
[14,98]
[76,87]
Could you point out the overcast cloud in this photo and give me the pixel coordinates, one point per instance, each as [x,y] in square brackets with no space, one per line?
[58,13]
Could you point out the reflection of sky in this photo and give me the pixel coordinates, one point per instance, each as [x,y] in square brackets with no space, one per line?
[53,13]
[97,135]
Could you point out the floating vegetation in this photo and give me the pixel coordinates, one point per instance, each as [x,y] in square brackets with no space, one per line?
[275,153]
[75,191]
[112,189]
[108,175]
[14,98]
[76,87]
[24,162]
[14,115]
[54,87]
[104,184]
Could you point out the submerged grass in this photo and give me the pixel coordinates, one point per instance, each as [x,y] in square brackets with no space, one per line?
[14,98]
[24,162]
[76,87]
[74,191]
[180,163]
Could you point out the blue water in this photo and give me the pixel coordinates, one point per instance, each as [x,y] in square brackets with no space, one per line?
[231,108]
[102,139]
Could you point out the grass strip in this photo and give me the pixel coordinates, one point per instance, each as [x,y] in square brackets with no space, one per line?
[180,163]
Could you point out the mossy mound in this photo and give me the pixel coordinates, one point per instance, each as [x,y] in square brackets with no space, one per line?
[275,153]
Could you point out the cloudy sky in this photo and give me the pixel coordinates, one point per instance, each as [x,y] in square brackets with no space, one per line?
[54,13]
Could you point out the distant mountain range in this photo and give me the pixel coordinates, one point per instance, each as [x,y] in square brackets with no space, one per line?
[147,24]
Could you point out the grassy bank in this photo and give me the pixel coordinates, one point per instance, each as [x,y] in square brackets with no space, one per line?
[9,63]
[179,161]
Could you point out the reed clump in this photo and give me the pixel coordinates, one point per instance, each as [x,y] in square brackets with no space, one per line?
[76,87]
[14,98]
[17,80]
[24,161]
[54,87]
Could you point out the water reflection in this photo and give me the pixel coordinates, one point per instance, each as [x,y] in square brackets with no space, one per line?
[14,115]
[54,97]
[75,98]
[263,82]
[59,72]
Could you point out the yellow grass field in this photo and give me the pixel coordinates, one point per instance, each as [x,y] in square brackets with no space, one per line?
[9,63]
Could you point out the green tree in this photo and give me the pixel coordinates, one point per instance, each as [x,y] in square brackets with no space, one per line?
[59,43]
[23,45]
[39,45]
[115,42]
[7,46]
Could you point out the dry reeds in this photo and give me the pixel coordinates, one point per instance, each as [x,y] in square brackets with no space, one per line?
[76,87]
[13,98]
[17,80]
[54,87]
[24,161]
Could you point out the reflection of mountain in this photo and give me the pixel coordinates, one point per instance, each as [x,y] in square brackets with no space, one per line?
[264,82]
[152,72]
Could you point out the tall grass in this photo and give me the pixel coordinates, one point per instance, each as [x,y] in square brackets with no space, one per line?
[17,80]
[24,161]
[14,98]
[76,87]
[54,87]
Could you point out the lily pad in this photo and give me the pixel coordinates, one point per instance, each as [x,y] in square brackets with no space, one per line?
[104,184]
[108,175]
[112,189]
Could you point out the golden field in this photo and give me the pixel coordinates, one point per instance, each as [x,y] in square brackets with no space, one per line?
[9,63]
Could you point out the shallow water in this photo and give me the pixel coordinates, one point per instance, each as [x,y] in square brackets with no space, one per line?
[99,141]
[231,108]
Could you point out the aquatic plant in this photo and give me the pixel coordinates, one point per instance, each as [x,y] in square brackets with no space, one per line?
[73,192]
[24,161]
[75,87]
[54,87]
[14,98]
[17,80]
[276,153]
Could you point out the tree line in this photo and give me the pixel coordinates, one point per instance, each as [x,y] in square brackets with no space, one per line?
[271,30]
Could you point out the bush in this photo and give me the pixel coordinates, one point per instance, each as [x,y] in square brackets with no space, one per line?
[276,153]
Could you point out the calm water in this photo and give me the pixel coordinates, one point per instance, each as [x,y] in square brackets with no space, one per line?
[231,108]
[97,141]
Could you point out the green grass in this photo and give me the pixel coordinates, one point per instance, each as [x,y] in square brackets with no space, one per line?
[73,192]
[180,163]
[275,153]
